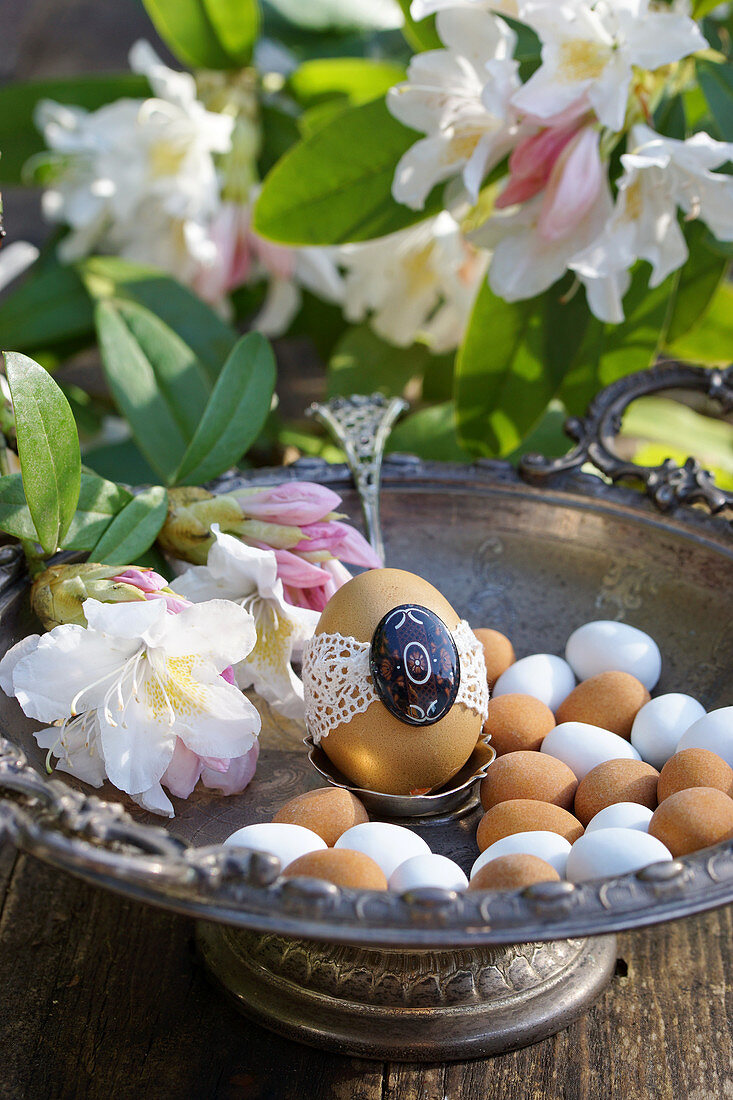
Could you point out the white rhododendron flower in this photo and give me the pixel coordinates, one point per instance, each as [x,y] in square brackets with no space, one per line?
[248,576]
[137,178]
[134,686]
[661,175]
[460,98]
[526,262]
[420,9]
[419,283]
[590,50]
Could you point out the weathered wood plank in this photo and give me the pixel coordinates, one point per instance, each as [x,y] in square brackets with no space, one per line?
[102,997]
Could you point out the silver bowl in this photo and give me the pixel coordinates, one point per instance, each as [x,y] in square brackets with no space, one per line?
[431,974]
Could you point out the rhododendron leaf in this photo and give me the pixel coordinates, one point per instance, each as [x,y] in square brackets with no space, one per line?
[99,501]
[50,309]
[511,364]
[350,79]
[208,336]
[134,529]
[609,352]
[421,35]
[235,414]
[697,283]
[156,380]
[716,81]
[207,34]
[336,185]
[48,448]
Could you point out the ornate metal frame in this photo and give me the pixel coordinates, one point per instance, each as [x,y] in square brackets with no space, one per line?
[101,842]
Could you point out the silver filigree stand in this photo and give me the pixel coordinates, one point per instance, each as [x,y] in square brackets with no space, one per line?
[361,425]
[411,1006]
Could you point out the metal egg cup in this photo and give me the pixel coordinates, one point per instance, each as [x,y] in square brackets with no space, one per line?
[457,796]
[431,974]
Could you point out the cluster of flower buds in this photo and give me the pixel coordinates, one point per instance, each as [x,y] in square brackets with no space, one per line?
[296,520]
[59,592]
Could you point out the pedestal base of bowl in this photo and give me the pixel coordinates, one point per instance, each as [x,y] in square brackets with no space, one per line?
[411,1006]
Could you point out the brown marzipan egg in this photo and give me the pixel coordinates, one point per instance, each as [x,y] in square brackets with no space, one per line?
[375,749]
[523,815]
[340,866]
[513,872]
[615,781]
[328,811]
[693,819]
[610,700]
[517,722]
[694,768]
[529,775]
[498,652]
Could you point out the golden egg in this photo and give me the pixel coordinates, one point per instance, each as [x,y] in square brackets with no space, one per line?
[498,652]
[525,815]
[340,866]
[517,723]
[328,811]
[375,749]
[615,781]
[512,872]
[693,819]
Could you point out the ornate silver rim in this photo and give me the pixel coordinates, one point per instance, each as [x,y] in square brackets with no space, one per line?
[101,842]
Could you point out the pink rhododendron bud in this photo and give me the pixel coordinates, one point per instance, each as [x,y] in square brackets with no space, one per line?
[147,580]
[341,541]
[573,187]
[239,773]
[531,163]
[295,502]
[294,572]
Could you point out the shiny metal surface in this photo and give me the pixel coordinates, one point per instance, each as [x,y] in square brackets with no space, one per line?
[458,795]
[532,561]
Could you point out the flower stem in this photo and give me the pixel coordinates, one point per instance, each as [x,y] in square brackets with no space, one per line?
[36,562]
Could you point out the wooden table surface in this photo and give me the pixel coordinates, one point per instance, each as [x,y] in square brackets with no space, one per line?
[103,997]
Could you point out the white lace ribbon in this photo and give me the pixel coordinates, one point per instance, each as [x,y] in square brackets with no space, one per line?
[337,682]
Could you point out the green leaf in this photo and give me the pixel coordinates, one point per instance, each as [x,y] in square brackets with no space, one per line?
[235,414]
[420,35]
[702,8]
[610,352]
[210,338]
[51,307]
[99,502]
[19,138]
[236,24]
[279,132]
[512,362]
[48,448]
[15,516]
[698,281]
[716,81]
[120,461]
[670,118]
[134,529]
[156,381]
[711,339]
[187,28]
[660,428]
[335,185]
[364,363]
[431,434]
[351,79]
